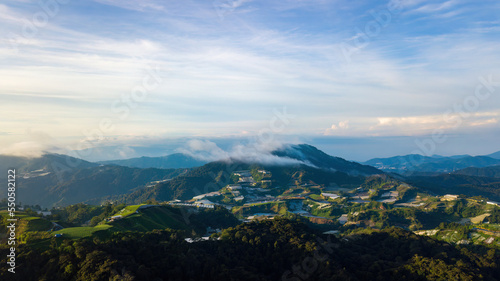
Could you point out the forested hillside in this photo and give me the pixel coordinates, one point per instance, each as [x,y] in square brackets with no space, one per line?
[279,249]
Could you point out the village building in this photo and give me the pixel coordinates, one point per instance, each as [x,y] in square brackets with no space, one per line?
[449,197]
[211,194]
[330,195]
[493,203]
[234,187]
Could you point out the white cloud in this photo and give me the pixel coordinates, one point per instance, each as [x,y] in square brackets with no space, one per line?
[335,128]
[256,152]
[9,15]
[142,5]
[25,149]
[205,150]
[344,124]
[221,77]
[436,7]
[418,125]
[224,7]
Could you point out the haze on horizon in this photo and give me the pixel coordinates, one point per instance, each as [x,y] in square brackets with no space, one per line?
[358,80]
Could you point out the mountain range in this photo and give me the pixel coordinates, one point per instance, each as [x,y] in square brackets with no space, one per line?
[304,153]
[313,166]
[172,161]
[58,180]
[495,155]
[430,165]
[49,163]
[318,158]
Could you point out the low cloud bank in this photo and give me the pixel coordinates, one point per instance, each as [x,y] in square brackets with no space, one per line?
[248,153]
[28,149]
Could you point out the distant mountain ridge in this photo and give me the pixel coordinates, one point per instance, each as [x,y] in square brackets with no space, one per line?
[302,153]
[317,167]
[495,155]
[172,161]
[58,180]
[87,185]
[49,162]
[414,163]
[318,158]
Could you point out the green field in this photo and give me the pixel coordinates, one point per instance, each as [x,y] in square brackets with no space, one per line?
[479,219]
[80,232]
[159,217]
[316,197]
[38,224]
[28,223]
[129,210]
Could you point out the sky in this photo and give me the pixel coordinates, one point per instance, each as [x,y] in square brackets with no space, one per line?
[358,79]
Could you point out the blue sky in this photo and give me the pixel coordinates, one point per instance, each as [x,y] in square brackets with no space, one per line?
[133,73]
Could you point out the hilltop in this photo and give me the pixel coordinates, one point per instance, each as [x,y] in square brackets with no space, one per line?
[172,161]
[312,166]
[60,180]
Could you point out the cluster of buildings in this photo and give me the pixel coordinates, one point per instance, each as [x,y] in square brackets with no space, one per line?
[245,188]
[247,183]
[35,174]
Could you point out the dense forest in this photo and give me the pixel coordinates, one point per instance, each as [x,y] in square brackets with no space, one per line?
[279,249]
